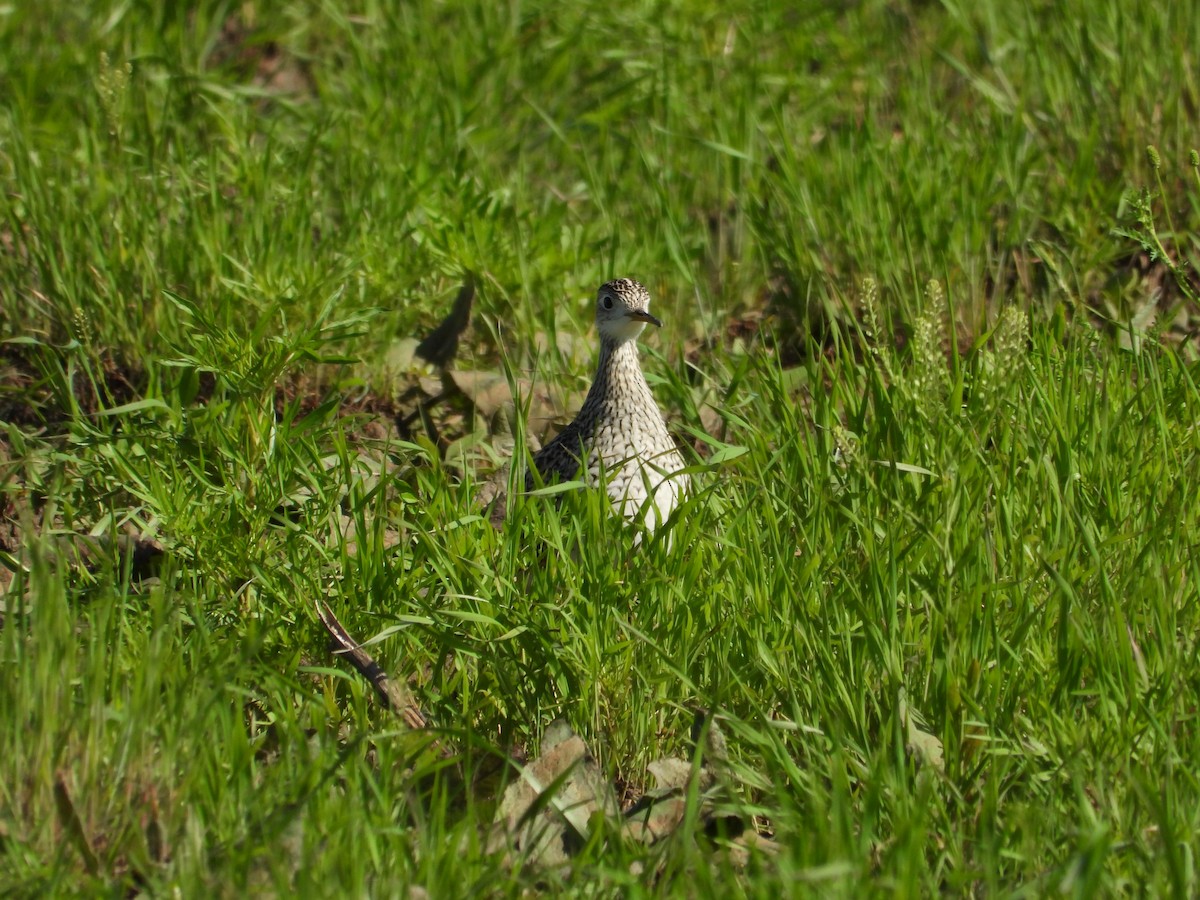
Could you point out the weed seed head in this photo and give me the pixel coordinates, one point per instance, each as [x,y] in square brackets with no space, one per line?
[111,86]
[929,381]
[845,446]
[996,364]
[869,298]
[81,325]
[872,323]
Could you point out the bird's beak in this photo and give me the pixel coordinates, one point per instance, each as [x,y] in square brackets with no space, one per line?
[640,315]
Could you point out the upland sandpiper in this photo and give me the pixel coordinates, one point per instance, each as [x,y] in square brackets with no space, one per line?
[619,437]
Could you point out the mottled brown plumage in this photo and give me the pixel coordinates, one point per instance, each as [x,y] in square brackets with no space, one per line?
[619,435]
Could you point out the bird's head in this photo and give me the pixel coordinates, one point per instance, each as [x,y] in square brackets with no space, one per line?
[623,309]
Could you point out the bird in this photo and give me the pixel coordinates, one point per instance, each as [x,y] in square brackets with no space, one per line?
[619,438]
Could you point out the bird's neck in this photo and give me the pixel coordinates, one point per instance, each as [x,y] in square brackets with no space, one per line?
[619,375]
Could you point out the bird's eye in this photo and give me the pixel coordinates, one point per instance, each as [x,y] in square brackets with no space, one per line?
[608,302]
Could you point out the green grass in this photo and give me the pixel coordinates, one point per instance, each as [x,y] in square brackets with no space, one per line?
[974,501]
